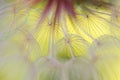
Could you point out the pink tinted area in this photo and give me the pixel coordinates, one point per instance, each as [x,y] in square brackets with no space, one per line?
[36,1]
[61,5]
[31,2]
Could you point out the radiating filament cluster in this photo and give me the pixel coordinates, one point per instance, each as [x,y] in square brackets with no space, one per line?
[59,40]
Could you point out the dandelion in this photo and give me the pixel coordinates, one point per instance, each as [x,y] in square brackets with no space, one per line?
[59,40]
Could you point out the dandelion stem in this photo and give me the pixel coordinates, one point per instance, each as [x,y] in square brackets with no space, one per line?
[51,42]
[67,38]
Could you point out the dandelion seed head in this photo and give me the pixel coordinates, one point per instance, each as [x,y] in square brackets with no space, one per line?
[59,39]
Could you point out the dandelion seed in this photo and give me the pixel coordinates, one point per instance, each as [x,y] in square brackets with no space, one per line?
[107,52]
